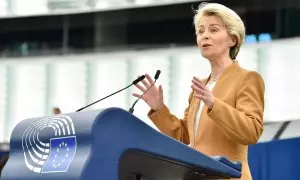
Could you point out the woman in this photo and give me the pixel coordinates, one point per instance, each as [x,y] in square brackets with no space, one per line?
[225,112]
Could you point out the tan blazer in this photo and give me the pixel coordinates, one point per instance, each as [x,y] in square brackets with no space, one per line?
[235,121]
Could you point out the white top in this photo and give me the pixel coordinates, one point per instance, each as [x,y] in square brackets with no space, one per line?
[197,119]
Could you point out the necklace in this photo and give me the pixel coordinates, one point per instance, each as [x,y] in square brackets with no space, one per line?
[211,79]
[214,79]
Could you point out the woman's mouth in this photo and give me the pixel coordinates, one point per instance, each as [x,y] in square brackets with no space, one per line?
[206,45]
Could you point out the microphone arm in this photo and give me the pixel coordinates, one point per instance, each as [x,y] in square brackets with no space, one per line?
[133,83]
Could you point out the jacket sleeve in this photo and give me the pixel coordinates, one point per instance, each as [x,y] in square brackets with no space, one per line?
[170,124]
[244,123]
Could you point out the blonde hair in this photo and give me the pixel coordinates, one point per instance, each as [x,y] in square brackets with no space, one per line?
[229,18]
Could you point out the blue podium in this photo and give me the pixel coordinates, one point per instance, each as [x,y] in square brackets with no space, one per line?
[108,144]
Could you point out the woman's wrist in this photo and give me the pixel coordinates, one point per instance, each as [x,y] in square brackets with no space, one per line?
[159,107]
[211,105]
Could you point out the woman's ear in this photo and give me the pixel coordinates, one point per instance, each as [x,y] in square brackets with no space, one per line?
[233,41]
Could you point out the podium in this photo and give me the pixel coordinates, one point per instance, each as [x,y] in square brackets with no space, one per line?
[107,144]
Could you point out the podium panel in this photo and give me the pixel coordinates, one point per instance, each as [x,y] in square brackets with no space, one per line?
[108,144]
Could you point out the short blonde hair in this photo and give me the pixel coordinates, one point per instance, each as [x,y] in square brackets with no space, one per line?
[229,18]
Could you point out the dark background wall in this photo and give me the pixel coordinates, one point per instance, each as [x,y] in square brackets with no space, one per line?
[126,28]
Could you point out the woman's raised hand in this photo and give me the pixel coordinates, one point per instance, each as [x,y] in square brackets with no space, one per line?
[154,96]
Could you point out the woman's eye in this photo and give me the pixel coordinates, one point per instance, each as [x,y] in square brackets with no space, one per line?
[214,30]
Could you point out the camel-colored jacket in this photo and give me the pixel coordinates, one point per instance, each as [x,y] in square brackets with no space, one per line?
[234,122]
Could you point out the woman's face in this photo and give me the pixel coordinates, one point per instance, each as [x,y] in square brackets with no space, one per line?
[213,39]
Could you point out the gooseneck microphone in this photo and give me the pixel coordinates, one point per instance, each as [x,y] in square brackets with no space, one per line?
[133,83]
[155,79]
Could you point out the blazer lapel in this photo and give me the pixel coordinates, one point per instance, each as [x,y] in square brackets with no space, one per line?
[193,111]
[216,92]
[202,112]
[195,103]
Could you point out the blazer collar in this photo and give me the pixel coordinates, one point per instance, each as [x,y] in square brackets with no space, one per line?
[232,67]
[227,71]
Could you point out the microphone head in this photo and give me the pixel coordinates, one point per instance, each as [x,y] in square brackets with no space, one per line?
[157,74]
[138,79]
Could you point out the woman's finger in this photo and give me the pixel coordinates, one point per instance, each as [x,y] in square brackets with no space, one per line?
[198,89]
[146,84]
[160,90]
[199,96]
[198,84]
[198,80]
[140,87]
[136,95]
[149,78]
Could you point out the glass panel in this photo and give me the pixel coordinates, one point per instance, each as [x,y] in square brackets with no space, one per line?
[27,91]
[108,75]
[247,57]
[3,7]
[3,101]
[67,4]
[280,68]
[29,7]
[68,84]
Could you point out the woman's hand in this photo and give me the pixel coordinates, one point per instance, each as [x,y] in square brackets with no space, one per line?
[203,93]
[154,96]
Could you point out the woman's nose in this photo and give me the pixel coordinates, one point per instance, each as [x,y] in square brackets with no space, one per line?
[205,35]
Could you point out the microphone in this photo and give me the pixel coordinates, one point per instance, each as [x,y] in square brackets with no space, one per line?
[155,79]
[133,83]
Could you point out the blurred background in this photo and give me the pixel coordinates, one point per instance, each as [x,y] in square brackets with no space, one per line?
[65,54]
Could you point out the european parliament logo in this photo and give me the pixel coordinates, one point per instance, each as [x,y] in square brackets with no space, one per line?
[62,151]
[54,154]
